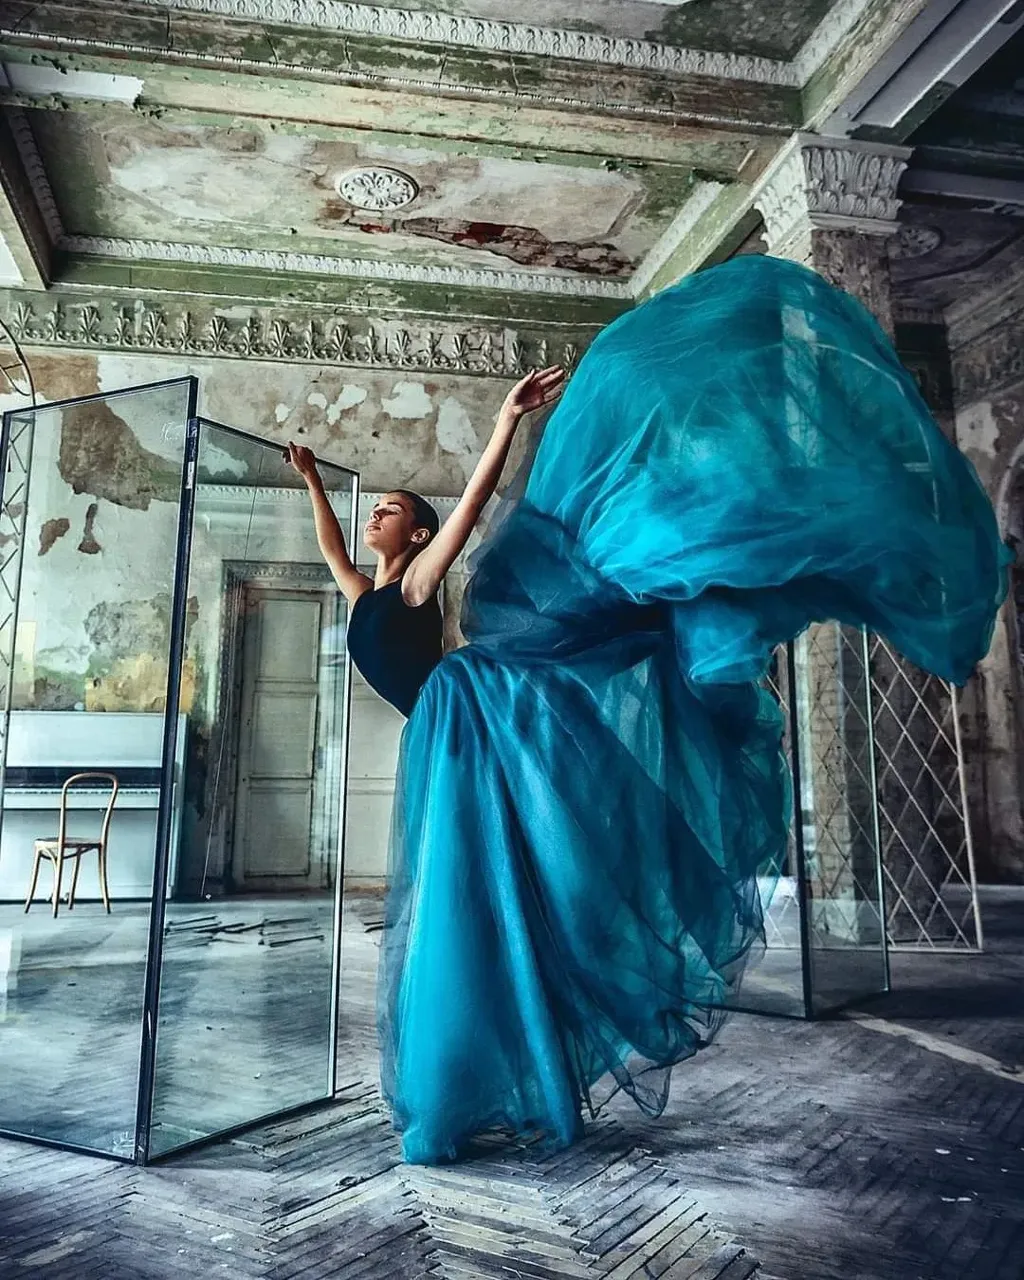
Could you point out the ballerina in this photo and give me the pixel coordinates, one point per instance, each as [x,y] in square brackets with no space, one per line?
[395,627]
[589,790]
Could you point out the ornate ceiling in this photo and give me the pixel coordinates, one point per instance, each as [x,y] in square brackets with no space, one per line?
[365,151]
[420,164]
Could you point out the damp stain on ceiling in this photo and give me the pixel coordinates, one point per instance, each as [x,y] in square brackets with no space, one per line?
[122,175]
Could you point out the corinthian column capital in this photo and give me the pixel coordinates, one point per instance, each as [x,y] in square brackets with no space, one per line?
[828,184]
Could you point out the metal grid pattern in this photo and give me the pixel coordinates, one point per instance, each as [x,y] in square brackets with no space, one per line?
[881,766]
[927,858]
[19,429]
[829,739]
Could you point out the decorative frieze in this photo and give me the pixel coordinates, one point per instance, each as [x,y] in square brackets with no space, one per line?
[990,363]
[192,328]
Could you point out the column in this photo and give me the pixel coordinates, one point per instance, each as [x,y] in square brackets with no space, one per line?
[832,204]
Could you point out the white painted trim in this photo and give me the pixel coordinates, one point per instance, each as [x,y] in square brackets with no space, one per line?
[358,268]
[825,38]
[503,37]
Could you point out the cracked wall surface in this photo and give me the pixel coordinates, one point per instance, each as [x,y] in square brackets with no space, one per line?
[106,489]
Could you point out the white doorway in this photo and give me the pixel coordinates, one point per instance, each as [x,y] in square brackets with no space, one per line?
[285,687]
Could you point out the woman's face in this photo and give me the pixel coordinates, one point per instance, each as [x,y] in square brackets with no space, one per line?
[391,527]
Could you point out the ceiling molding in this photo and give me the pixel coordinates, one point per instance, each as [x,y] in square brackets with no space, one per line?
[35,172]
[354,268]
[701,199]
[195,328]
[825,39]
[500,37]
[734,116]
[512,37]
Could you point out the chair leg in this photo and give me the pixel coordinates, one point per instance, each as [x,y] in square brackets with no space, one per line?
[104,887]
[58,873]
[74,883]
[34,881]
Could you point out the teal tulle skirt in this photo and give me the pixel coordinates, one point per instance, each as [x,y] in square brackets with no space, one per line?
[587,791]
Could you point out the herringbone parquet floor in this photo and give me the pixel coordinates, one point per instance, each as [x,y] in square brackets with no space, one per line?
[834,1151]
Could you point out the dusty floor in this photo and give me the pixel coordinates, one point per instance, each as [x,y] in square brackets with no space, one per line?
[887,1144]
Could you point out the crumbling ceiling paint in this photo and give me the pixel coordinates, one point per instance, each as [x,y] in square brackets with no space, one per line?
[525,245]
[246,186]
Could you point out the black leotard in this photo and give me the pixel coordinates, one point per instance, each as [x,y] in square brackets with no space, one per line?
[395,645]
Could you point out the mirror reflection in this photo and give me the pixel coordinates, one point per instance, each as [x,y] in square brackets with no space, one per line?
[90,535]
[88,530]
[249,942]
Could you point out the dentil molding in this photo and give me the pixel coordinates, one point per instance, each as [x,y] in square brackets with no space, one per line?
[499,37]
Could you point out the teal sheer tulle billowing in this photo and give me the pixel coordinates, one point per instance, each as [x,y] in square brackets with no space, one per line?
[587,791]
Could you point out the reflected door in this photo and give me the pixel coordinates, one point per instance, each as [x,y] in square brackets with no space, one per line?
[274,842]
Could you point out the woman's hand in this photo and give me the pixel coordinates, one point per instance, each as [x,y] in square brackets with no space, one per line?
[535,391]
[301,458]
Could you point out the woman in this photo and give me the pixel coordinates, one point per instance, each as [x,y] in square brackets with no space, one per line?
[589,789]
[395,631]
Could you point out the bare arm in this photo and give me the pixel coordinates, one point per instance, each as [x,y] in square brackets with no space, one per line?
[425,574]
[328,531]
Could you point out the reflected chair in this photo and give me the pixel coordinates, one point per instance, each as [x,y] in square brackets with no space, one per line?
[58,851]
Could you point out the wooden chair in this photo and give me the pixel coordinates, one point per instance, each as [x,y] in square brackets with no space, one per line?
[58,851]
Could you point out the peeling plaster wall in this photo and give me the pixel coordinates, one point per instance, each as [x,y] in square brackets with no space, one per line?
[396,428]
[990,431]
[102,517]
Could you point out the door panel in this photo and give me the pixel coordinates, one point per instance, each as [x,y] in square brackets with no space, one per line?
[276,841]
[283,732]
[277,737]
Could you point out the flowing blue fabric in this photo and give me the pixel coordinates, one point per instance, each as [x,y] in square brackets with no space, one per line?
[587,790]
